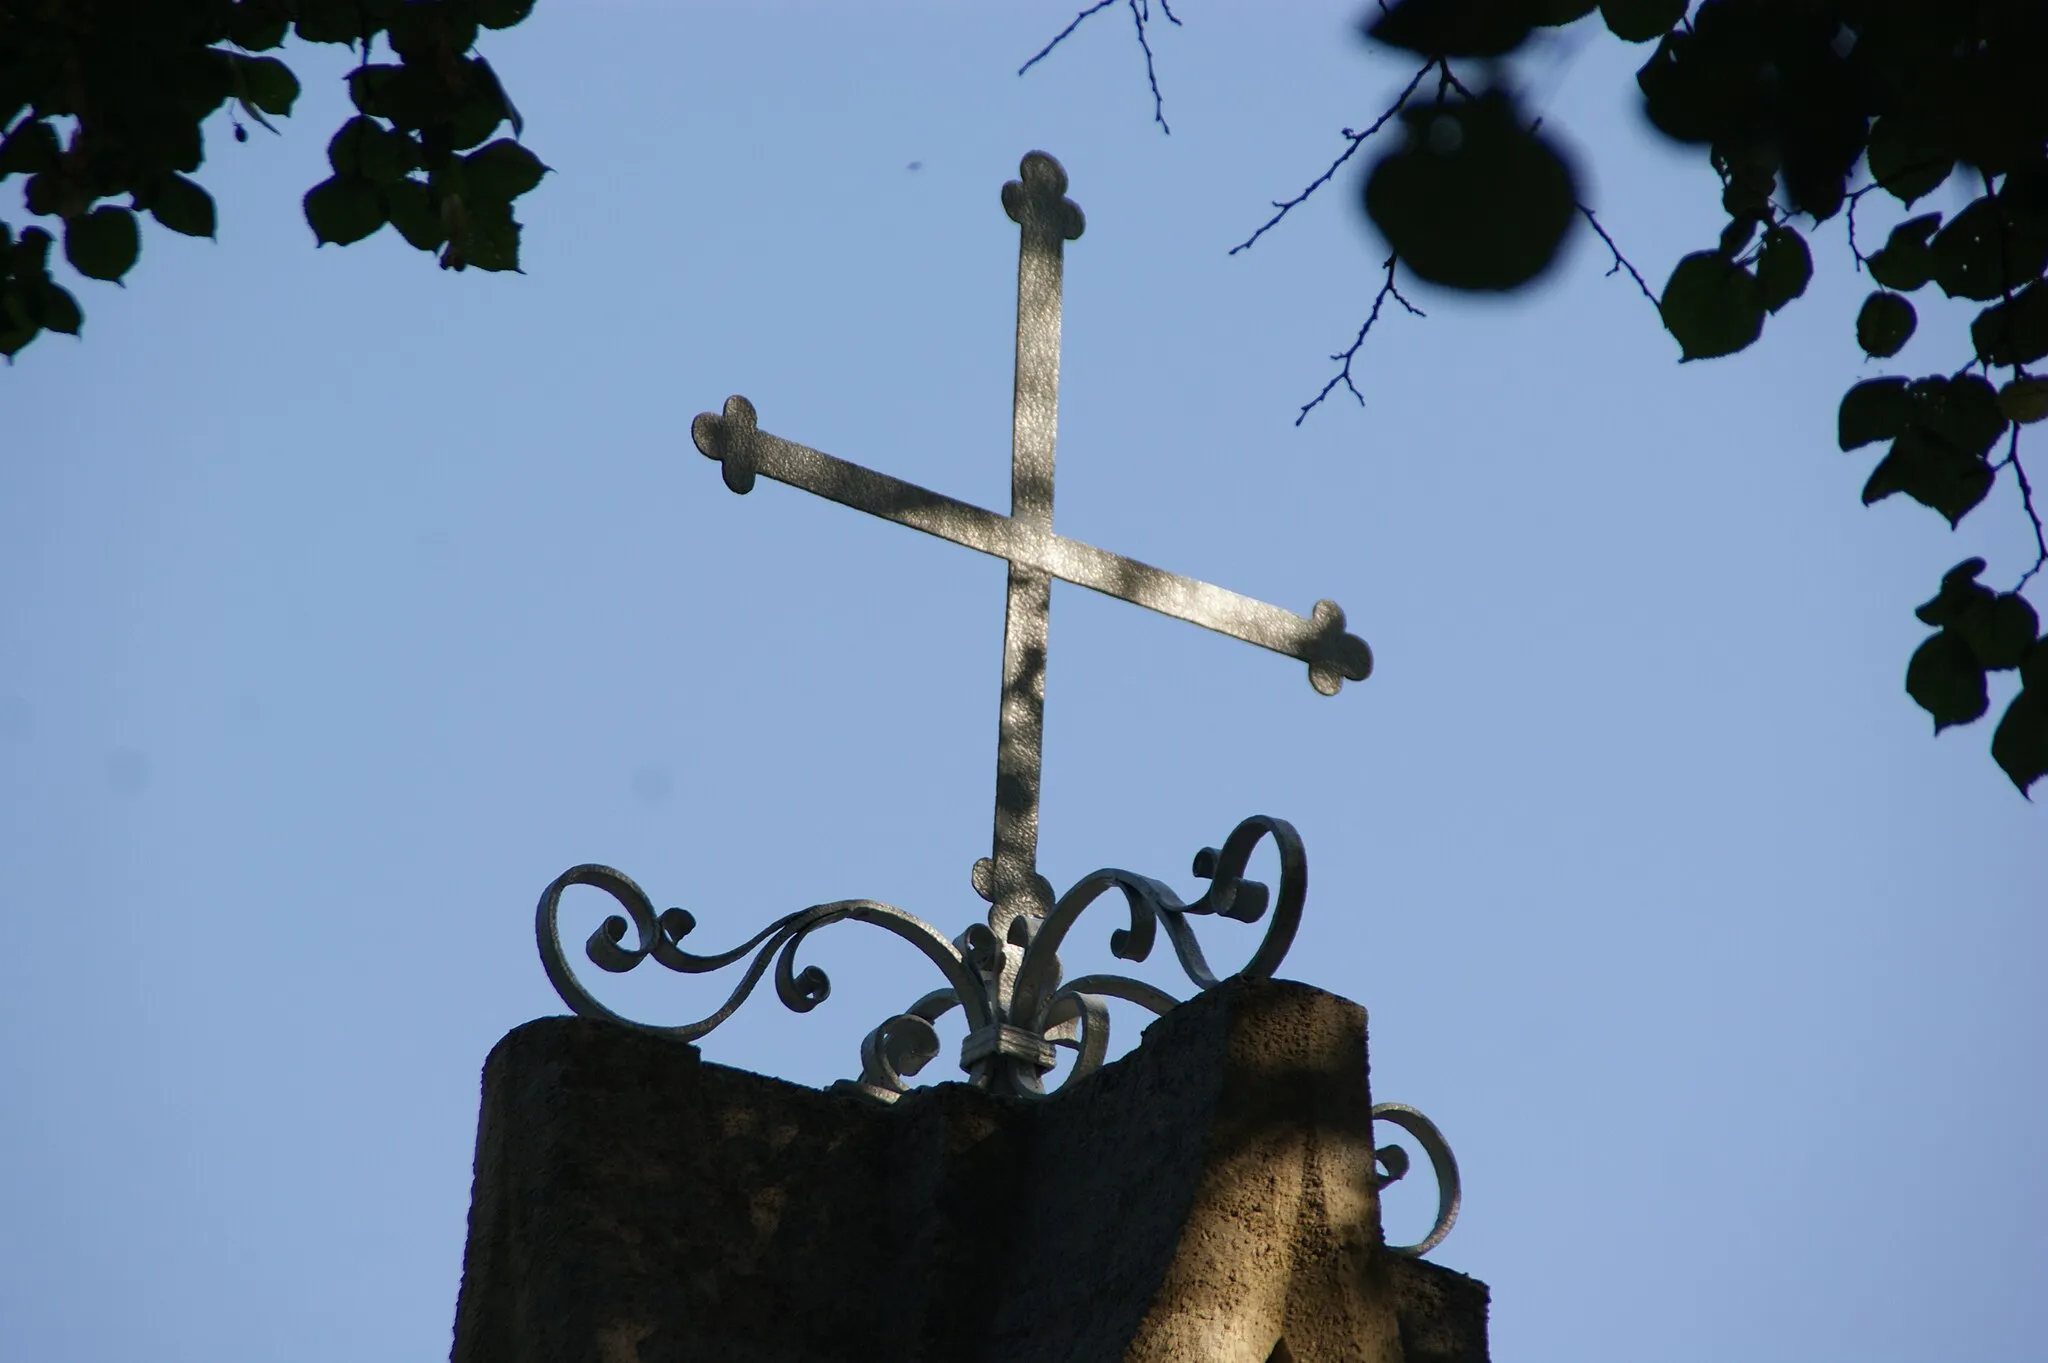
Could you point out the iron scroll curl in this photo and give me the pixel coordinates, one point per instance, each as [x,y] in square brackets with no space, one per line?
[660,936]
[1011,992]
[1442,1163]
[1041,1003]
[1018,1007]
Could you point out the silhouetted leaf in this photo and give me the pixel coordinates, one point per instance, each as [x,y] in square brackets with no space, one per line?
[102,106]
[266,83]
[2024,401]
[1932,473]
[1783,267]
[1712,305]
[1684,101]
[2025,196]
[2020,743]
[1474,200]
[1979,254]
[2002,631]
[1557,13]
[2034,668]
[1909,155]
[1904,263]
[203,82]
[54,308]
[42,192]
[1946,679]
[1960,594]
[501,171]
[256,28]
[1876,409]
[344,209]
[494,240]
[1737,234]
[1938,459]
[1884,324]
[30,254]
[102,244]
[1639,21]
[481,107]
[30,149]
[365,147]
[1452,28]
[1962,412]
[1766,86]
[421,32]
[182,206]
[17,328]
[2013,332]
[1748,191]
[1999,627]
[408,97]
[502,13]
[330,21]
[412,212]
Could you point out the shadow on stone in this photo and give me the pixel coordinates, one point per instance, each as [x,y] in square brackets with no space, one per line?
[1207,1199]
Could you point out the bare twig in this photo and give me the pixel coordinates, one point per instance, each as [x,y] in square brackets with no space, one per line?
[1856,197]
[1343,375]
[1447,82]
[1620,260]
[2012,449]
[1357,140]
[1141,15]
[2005,318]
[2019,472]
[1062,35]
[1141,12]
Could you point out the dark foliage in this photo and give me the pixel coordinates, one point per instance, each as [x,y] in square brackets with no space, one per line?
[1801,108]
[103,105]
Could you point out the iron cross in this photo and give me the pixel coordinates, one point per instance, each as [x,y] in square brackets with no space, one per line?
[1046,219]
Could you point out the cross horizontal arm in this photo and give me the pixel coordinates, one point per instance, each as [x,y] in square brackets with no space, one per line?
[1318,639]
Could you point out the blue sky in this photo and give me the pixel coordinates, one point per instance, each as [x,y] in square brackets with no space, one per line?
[349,602]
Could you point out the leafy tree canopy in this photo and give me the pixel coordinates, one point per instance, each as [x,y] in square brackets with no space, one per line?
[1802,109]
[102,102]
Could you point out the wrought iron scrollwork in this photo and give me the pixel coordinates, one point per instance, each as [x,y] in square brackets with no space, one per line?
[1018,1007]
[1442,1163]
[660,937]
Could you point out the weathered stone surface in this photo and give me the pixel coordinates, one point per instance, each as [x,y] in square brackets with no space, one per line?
[1207,1199]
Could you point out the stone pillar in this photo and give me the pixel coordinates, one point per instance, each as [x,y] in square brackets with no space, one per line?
[1207,1199]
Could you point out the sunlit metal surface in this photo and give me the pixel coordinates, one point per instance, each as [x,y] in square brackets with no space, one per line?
[1017,1005]
[1003,974]
[1011,1032]
[1442,1163]
[1046,220]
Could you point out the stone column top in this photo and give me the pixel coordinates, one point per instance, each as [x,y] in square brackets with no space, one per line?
[1210,1198]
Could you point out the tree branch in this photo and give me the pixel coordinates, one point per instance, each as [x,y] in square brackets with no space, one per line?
[2019,472]
[1447,82]
[1620,260]
[1357,140]
[1343,375]
[1856,197]
[1063,34]
[1141,15]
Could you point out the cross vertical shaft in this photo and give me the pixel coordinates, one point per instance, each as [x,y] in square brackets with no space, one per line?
[1046,220]
[1008,879]
[1004,972]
